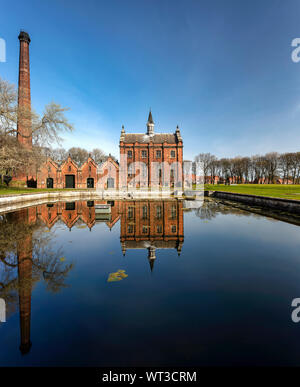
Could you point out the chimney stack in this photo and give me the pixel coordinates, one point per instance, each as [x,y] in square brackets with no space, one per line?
[24,133]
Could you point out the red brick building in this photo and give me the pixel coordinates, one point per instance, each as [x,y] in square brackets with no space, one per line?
[70,175]
[108,174]
[150,159]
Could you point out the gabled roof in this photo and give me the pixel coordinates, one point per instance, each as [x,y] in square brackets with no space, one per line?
[49,160]
[69,159]
[90,159]
[109,159]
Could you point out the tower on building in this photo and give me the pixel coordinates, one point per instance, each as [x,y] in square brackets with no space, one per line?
[150,125]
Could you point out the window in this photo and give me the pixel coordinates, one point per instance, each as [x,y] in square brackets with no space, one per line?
[173,153]
[145,211]
[69,167]
[129,154]
[145,230]
[90,182]
[90,168]
[144,154]
[158,154]
[158,212]
[130,170]
[70,206]
[173,212]
[130,212]
[159,229]
[130,229]
[173,229]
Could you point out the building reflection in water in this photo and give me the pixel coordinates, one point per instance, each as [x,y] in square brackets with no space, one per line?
[149,225]
[145,224]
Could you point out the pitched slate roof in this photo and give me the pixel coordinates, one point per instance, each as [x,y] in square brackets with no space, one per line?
[156,138]
[159,244]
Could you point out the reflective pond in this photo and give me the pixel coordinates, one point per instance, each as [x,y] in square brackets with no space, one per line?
[148,283]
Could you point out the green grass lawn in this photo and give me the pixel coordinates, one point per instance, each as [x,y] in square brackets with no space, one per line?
[273,190]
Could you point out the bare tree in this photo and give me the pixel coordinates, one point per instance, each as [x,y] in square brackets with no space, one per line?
[98,155]
[79,155]
[46,129]
[205,159]
[58,154]
[271,165]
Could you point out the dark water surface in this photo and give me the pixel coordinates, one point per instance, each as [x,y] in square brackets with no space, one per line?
[158,286]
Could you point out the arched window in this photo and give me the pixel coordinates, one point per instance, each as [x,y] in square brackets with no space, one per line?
[173,212]
[158,212]
[145,212]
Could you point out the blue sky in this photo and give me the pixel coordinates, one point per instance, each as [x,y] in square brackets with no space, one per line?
[221,70]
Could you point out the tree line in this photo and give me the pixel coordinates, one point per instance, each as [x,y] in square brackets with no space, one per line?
[79,155]
[271,168]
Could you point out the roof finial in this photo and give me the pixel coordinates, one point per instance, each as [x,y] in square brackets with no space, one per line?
[122,137]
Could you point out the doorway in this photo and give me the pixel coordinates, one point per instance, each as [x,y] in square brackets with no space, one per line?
[49,182]
[110,182]
[90,182]
[70,181]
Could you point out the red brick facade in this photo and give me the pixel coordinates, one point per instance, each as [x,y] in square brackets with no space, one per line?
[151,159]
[108,174]
[70,175]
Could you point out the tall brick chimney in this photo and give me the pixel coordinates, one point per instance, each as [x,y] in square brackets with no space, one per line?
[24,133]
